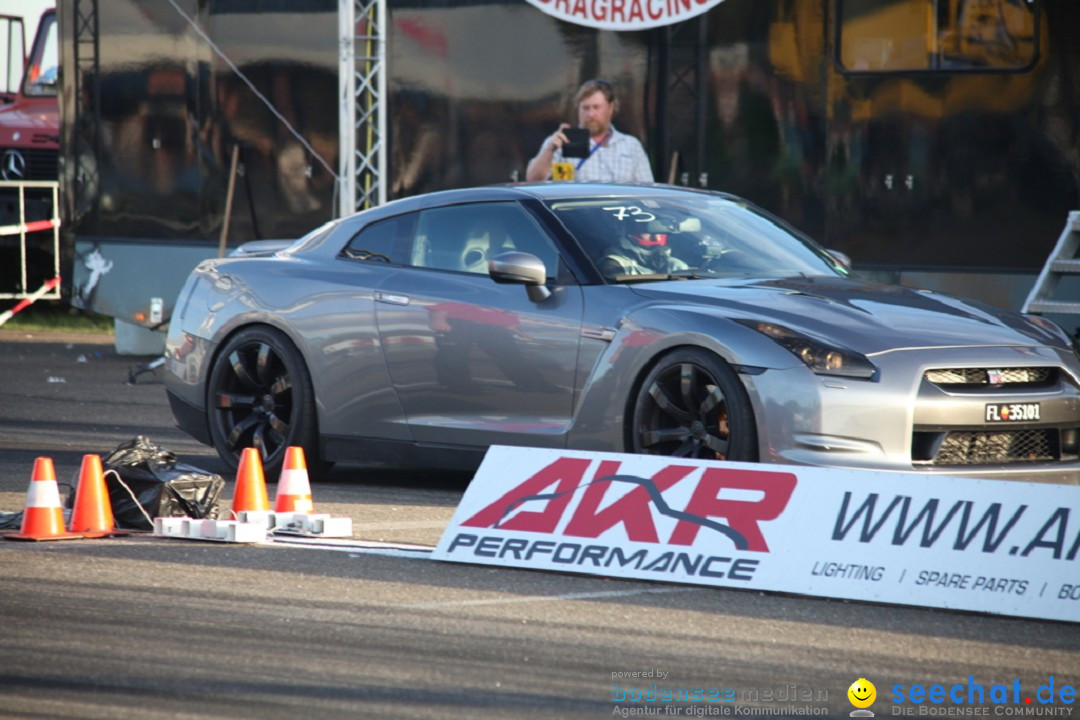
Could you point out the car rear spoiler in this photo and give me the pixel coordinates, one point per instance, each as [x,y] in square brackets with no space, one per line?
[261,247]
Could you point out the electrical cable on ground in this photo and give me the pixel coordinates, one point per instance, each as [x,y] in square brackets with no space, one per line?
[137,503]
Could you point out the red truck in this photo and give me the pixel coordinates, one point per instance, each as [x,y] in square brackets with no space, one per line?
[29,149]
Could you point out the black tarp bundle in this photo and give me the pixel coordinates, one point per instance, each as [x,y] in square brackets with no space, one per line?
[157,486]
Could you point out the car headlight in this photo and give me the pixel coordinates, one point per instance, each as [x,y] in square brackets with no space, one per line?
[1049,326]
[821,358]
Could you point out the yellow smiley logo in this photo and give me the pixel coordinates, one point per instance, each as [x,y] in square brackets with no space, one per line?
[862,693]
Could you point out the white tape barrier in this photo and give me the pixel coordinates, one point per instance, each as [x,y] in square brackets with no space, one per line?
[927,540]
[23,304]
[30,227]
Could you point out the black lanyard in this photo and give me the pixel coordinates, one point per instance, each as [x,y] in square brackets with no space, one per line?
[593,149]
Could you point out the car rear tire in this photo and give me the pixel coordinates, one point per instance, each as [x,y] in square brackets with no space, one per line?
[260,396]
[693,405]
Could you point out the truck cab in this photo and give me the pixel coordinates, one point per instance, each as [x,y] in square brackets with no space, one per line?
[29,149]
[29,121]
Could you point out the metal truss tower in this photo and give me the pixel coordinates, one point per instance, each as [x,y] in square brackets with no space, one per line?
[362,34]
[86,137]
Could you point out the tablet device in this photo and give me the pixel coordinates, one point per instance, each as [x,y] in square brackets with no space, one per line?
[578,143]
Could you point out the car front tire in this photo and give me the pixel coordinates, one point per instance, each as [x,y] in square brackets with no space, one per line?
[692,404]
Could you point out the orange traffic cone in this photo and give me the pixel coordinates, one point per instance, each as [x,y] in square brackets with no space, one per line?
[43,518]
[92,515]
[294,488]
[250,492]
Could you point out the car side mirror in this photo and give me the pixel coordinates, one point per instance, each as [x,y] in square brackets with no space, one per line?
[520,268]
[841,258]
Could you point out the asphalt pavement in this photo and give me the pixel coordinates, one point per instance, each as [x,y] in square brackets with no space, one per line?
[148,628]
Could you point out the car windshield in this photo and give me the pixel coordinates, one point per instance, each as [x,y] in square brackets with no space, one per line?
[649,237]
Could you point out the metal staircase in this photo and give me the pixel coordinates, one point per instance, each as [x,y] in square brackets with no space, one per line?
[1046,295]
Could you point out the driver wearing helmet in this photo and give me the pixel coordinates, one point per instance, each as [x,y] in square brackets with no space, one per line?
[641,254]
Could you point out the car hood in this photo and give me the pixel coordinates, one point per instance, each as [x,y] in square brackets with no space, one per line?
[865,317]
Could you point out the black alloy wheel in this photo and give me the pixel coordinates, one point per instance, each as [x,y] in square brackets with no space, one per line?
[693,405]
[260,396]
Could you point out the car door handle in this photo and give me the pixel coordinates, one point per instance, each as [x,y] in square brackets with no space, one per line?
[391,298]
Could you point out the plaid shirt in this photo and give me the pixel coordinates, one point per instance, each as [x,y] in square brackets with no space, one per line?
[620,159]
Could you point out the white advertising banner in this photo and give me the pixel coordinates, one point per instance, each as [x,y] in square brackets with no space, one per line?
[990,546]
[624,14]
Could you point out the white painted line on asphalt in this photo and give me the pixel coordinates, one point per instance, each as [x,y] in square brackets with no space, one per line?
[416,525]
[357,547]
[423,552]
[549,598]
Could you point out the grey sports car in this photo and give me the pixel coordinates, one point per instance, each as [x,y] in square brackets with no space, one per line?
[647,319]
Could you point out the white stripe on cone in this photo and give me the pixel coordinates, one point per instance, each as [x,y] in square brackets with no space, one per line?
[43,494]
[293,485]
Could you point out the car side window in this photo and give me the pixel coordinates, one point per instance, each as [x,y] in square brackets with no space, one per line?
[462,238]
[378,242]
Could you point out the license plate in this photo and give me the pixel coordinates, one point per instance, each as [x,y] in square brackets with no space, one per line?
[1012,412]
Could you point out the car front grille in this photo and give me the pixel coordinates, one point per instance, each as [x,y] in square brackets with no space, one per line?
[1017,377]
[987,447]
[41,164]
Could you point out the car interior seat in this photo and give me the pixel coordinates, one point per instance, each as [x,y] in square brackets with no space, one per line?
[474,253]
[484,240]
